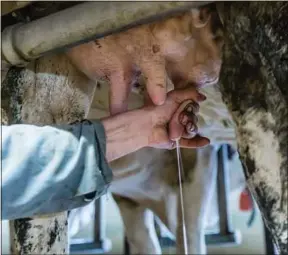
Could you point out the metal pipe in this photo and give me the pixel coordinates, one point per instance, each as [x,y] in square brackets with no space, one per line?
[223,189]
[225,236]
[81,23]
[98,243]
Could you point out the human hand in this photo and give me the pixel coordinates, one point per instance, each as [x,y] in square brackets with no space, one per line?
[148,126]
[176,119]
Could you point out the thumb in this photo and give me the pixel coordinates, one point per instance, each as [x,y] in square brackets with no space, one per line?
[196,142]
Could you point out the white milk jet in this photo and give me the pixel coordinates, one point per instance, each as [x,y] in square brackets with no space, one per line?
[180,172]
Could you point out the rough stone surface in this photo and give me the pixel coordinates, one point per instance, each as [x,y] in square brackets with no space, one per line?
[254,85]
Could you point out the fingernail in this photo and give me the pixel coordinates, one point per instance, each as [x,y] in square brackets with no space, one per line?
[160,102]
[207,141]
[189,108]
[191,130]
[195,129]
[184,120]
[201,97]
[190,126]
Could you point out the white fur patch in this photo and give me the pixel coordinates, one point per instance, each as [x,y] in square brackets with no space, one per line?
[267,159]
[264,150]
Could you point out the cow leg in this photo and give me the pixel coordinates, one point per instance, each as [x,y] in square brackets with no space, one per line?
[254,79]
[197,193]
[139,227]
[49,91]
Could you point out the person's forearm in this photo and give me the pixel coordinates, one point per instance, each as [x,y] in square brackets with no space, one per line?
[127,132]
[52,167]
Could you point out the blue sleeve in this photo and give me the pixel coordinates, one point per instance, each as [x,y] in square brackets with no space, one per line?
[52,168]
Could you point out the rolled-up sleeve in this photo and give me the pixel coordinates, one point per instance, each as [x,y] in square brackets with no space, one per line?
[52,168]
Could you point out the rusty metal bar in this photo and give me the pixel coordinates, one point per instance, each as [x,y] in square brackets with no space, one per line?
[84,22]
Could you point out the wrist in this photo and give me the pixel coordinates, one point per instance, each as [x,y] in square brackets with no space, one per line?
[127,132]
[143,126]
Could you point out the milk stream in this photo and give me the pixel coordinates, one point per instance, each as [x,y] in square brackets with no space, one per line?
[180,174]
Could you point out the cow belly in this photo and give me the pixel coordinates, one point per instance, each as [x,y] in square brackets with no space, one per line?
[144,175]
